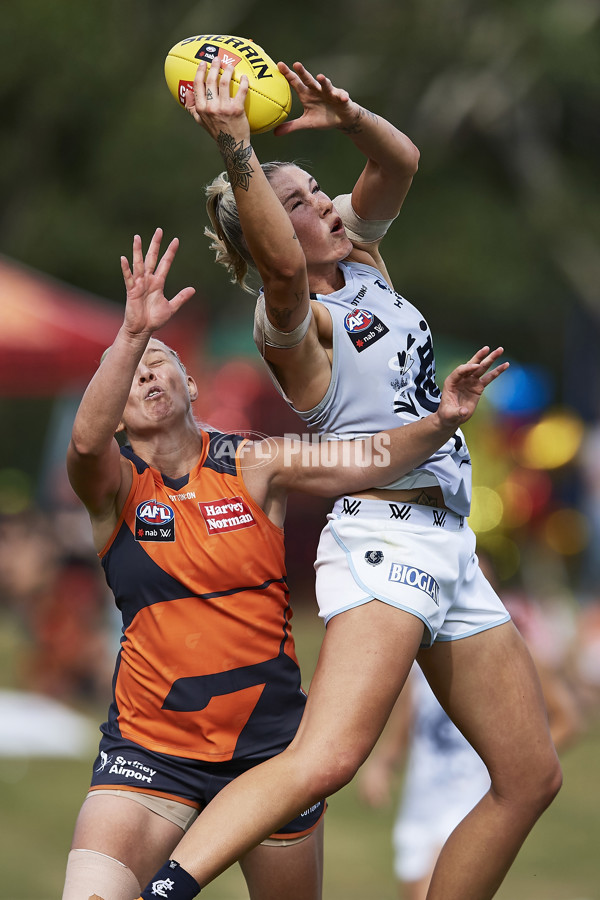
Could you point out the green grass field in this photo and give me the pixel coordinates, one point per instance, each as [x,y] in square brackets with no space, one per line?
[560,860]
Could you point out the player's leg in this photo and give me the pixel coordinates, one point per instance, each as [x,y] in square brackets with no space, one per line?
[293,871]
[117,846]
[488,685]
[366,655]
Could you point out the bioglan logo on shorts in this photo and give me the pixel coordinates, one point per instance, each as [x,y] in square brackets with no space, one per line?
[226,514]
[400,573]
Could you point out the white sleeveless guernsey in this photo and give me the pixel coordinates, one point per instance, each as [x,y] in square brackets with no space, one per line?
[383,376]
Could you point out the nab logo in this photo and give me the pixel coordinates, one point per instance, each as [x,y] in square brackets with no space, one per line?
[358,320]
[210,52]
[364,328]
[154,521]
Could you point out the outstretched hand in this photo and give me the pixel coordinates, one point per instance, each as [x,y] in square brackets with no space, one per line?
[213,106]
[325,106]
[464,386]
[147,309]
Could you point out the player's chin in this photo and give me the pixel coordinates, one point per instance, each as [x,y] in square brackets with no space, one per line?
[346,246]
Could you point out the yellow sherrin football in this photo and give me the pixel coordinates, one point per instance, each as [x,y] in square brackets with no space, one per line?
[269,97]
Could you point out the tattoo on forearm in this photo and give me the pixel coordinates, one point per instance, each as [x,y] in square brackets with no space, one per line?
[236,158]
[281,317]
[356,126]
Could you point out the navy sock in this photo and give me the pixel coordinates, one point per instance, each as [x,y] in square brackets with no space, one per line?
[171,882]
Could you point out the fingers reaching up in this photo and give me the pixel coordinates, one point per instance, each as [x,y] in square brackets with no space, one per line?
[147,308]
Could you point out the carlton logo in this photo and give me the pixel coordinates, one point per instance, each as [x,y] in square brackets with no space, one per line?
[358,320]
[154,521]
[227,514]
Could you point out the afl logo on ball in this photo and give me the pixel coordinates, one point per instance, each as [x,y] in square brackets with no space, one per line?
[154,521]
[210,52]
[358,320]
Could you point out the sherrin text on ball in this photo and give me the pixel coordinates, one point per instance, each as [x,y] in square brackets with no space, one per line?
[269,97]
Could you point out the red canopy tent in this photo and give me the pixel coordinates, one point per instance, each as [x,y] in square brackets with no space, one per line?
[52,335]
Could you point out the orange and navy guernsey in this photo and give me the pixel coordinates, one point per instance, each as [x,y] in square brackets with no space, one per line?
[207,668]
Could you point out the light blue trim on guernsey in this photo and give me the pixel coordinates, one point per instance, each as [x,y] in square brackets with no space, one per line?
[459,637]
[370,596]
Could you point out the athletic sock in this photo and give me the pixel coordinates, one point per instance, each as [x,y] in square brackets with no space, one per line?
[171,882]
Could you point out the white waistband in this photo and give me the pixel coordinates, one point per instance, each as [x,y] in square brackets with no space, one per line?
[434,516]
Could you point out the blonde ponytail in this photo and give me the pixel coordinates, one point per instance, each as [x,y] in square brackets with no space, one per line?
[226,235]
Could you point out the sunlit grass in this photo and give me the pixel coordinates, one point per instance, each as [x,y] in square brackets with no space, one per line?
[40,799]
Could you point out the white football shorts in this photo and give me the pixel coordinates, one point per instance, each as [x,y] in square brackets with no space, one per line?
[420,559]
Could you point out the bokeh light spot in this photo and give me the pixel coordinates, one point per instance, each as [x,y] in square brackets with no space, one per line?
[566,532]
[486,509]
[550,443]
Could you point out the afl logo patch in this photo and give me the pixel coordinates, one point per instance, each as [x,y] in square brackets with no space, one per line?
[358,320]
[364,328]
[154,521]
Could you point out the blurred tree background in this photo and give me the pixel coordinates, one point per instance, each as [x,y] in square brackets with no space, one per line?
[498,242]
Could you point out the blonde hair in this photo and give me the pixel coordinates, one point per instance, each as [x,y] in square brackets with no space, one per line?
[226,235]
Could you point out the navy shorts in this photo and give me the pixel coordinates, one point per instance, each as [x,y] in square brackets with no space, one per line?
[122,764]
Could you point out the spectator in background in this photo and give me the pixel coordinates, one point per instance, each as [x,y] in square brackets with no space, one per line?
[59,601]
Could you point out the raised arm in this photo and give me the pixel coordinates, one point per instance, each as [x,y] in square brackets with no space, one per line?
[267,229]
[332,468]
[304,370]
[392,158]
[93,456]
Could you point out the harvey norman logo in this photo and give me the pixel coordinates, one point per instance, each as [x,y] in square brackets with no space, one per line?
[227,514]
[417,578]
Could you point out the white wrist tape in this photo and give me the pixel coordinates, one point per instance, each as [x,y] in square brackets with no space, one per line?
[364,231]
[266,335]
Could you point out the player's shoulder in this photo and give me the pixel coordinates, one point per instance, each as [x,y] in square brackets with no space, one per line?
[369,258]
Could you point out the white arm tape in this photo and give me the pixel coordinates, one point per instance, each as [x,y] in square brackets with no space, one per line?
[266,335]
[364,231]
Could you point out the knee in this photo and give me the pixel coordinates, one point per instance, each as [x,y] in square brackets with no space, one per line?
[551,783]
[338,768]
[537,784]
